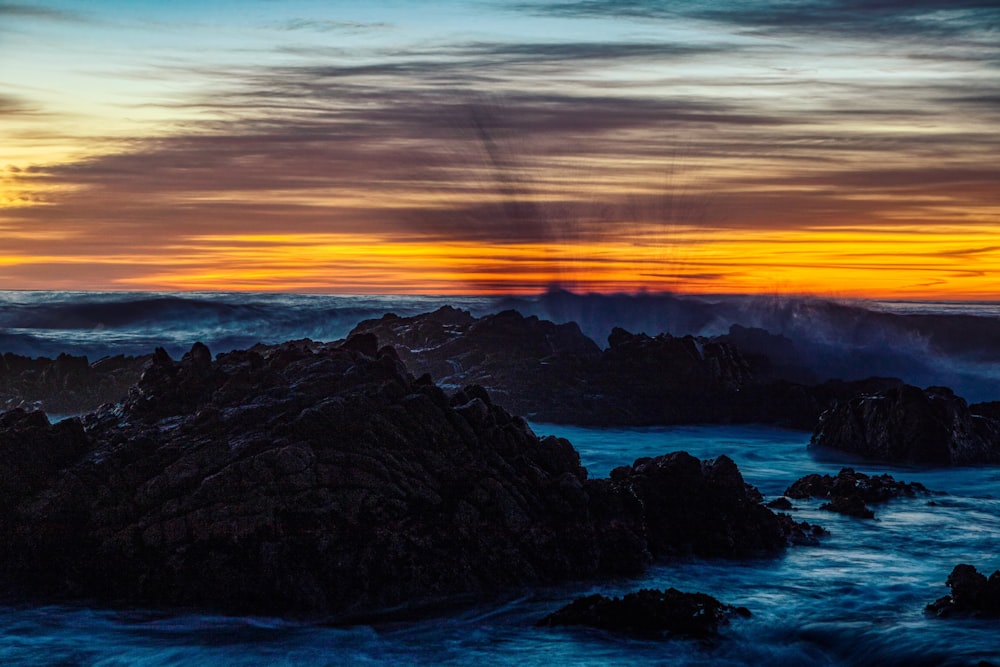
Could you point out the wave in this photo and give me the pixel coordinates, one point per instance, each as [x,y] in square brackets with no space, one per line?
[809,339]
[953,344]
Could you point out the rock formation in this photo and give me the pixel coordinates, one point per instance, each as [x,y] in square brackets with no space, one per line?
[850,492]
[307,477]
[972,594]
[910,425]
[66,384]
[649,613]
[549,372]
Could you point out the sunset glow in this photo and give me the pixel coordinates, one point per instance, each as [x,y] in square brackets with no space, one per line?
[445,148]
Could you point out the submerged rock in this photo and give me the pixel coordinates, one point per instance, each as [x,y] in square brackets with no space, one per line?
[910,425]
[972,594]
[649,613]
[307,477]
[850,491]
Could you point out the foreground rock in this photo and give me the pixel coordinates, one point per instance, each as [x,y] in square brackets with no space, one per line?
[910,425]
[313,478]
[66,384]
[554,373]
[850,492]
[649,613]
[971,594]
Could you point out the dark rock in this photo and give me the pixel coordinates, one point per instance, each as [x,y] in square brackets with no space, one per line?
[802,533]
[781,503]
[554,373]
[734,524]
[307,477]
[66,384]
[972,594]
[906,424]
[648,613]
[849,491]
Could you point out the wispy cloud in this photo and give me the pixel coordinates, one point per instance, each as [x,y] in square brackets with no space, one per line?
[16,10]
[329,25]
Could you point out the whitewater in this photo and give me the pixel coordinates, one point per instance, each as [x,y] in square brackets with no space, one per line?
[856,599]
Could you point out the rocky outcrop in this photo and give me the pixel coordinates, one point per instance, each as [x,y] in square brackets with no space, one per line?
[66,384]
[649,613]
[851,492]
[554,373]
[307,477]
[972,594]
[910,425]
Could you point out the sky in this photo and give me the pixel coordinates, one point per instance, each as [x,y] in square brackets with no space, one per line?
[841,148]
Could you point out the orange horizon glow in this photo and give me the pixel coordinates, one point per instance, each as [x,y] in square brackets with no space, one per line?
[838,263]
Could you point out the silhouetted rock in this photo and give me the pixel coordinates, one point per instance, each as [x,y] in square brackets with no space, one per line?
[649,613]
[66,384]
[906,424]
[971,594]
[554,373]
[850,491]
[312,477]
[801,533]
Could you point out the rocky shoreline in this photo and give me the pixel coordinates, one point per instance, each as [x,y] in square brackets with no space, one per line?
[315,478]
[340,479]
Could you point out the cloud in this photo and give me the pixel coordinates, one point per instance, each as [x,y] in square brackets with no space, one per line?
[884,19]
[15,105]
[14,10]
[329,25]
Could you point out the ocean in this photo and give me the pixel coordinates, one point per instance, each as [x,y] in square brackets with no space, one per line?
[857,599]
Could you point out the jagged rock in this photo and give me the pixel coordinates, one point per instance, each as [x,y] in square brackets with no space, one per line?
[66,384]
[971,594]
[780,503]
[307,477]
[553,373]
[910,425]
[649,613]
[801,533]
[849,491]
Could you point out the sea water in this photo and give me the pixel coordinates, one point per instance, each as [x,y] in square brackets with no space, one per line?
[856,599]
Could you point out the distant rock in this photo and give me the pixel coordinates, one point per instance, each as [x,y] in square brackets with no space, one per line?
[307,477]
[649,613]
[850,492]
[66,384]
[553,373]
[972,594]
[910,425]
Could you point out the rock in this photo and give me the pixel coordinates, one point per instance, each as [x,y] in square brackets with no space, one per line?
[66,384]
[729,521]
[308,477]
[781,503]
[802,533]
[971,594]
[649,613]
[554,373]
[909,425]
[849,491]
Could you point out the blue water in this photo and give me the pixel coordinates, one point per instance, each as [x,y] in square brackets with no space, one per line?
[855,600]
